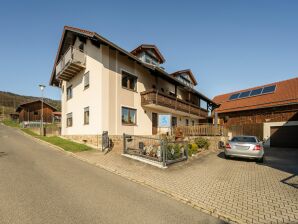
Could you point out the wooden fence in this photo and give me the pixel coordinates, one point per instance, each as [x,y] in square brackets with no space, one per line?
[200,130]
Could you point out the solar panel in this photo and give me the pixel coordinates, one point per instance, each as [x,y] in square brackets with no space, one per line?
[268,89]
[244,94]
[234,96]
[256,92]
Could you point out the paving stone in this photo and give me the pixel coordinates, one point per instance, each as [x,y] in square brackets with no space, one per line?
[241,190]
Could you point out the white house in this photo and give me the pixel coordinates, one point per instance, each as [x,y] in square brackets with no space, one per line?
[106,88]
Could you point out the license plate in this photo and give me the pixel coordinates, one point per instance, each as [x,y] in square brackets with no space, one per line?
[241,147]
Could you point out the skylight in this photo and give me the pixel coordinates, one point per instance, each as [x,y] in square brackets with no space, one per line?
[254,92]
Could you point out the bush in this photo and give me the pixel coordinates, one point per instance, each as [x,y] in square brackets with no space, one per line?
[202,143]
[192,149]
[173,151]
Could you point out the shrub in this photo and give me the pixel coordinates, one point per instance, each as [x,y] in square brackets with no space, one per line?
[173,151]
[202,143]
[192,149]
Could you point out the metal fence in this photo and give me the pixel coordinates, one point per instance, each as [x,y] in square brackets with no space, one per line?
[155,149]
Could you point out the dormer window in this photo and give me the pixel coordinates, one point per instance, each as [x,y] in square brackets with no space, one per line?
[186,77]
[149,54]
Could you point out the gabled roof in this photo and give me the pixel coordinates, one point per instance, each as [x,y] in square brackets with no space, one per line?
[144,47]
[286,93]
[22,105]
[186,71]
[96,38]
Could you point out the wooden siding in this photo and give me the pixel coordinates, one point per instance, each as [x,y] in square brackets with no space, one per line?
[274,114]
[32,112]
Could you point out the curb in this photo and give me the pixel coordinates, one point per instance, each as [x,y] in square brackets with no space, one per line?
[172,195]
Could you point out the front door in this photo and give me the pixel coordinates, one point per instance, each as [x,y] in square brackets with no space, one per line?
[154,123]
[174,121]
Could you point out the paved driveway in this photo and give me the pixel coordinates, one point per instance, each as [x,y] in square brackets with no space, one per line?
[239,190]
[42,185]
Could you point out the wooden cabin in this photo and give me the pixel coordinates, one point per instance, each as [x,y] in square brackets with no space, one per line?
[31,111]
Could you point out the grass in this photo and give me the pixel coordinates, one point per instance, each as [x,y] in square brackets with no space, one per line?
[11,123]
[65,144]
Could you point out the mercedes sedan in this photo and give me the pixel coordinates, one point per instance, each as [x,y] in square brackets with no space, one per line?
[245,147]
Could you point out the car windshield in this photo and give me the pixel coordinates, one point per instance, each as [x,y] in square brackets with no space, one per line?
[243,139]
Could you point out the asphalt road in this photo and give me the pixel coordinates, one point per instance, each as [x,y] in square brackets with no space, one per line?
[41,185]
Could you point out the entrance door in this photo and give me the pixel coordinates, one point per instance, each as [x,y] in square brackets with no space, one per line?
[154,123]
[174,121]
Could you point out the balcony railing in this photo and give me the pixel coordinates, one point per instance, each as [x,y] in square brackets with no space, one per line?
[70,64]
[164,100]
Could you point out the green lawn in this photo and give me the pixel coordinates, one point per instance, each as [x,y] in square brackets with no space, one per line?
[11,123]
[67,145]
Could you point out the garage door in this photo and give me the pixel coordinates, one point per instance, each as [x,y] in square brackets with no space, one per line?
[284,136]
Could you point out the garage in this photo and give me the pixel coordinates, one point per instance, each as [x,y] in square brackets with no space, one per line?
[284,136]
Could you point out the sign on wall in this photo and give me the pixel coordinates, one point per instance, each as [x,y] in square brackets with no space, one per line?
[164,120]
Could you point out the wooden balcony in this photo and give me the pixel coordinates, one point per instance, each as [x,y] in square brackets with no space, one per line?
[154,99]
[70,64]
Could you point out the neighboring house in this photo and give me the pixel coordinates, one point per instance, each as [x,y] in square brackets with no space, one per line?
[14,116]
[31,111]
[272,107]
[105,88]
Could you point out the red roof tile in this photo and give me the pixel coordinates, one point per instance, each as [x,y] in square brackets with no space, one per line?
[286,93]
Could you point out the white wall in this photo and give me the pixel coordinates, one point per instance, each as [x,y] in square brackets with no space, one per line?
[105,96]
[89,97]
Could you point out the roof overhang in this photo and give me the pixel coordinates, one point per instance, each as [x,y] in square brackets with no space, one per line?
[63,46]
[186,71]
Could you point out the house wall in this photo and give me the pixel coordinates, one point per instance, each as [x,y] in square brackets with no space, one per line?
[90,97]
[258,122]
[105,96]
[274,114]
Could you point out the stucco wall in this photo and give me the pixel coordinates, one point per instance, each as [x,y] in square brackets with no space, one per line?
[105,96]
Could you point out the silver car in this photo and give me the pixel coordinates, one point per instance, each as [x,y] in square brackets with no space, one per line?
[245,147]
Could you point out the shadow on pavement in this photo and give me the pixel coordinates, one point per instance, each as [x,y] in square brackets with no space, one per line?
[283,159]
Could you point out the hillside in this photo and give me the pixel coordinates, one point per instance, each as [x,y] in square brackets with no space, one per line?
[10,101]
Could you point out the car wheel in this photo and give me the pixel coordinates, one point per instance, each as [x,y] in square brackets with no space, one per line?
[261,160]
[227,157]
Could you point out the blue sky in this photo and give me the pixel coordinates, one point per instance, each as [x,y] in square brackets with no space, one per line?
[229,45]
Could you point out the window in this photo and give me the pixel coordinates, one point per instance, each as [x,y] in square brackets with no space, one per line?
[86,80]
[69,92]
[128,116]
[129,81]
[186,122]
[256,92]
[243,139]
[35,113]
[268,89]
[193,123]
[86,115]
[69,120]
[203,104]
